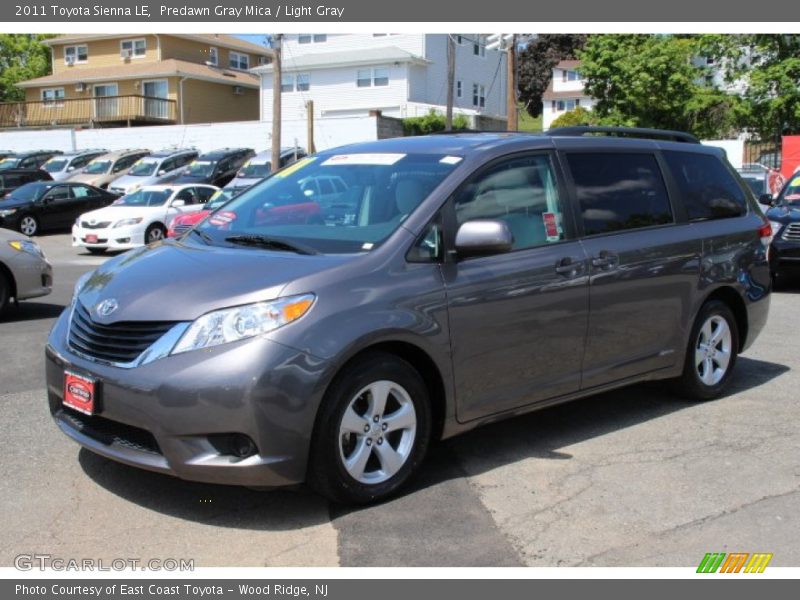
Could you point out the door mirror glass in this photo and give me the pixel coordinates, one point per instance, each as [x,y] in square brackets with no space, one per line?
[481,237]
[178,203]
[765,199]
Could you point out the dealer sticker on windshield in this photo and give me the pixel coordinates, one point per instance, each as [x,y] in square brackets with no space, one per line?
[363,159]
[294,167]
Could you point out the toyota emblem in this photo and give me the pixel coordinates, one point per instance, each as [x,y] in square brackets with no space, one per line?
[106,307]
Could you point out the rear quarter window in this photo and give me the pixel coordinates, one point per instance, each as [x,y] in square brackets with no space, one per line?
[619,191]
[707,188]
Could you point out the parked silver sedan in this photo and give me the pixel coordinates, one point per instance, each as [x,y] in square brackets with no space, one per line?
[24,271]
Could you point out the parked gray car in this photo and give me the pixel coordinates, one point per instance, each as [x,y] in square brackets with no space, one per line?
[62,166]
[471,278]
[24,270]
[155,169]
[260,166]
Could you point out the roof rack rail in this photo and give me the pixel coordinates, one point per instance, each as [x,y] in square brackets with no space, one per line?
[636,132]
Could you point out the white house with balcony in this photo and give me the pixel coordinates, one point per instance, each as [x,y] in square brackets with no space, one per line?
[400,75]
[565,92]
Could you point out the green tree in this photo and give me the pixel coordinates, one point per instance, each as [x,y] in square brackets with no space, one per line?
[577,116]
[536,62]
[22,56]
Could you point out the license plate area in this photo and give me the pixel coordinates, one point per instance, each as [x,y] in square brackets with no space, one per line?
[80,392]
[91,239]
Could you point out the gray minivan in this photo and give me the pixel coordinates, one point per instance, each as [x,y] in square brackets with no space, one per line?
[154,169]
[469,278]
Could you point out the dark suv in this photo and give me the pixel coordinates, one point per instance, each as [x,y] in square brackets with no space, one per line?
[216,168]
[32,159]
[472,277]
[11,179]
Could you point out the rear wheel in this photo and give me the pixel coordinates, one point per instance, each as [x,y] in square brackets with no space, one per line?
[154,233]
[372,431]
[28,225]
[711,355]
[5,294]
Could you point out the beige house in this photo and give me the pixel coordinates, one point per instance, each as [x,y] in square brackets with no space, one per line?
[142,79]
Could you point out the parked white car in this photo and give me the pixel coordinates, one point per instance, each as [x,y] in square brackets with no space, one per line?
[138,218]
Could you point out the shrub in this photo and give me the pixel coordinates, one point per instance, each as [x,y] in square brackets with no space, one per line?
[577,116]
[431,123]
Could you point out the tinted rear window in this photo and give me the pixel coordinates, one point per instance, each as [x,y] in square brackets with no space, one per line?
[619,191]
[708,189]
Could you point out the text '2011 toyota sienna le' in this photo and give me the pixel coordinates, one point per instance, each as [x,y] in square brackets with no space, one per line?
[451,281]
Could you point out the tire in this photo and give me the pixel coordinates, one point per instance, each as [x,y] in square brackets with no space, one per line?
[96,250]
[155,233]
[390,452]
[5,294]
[29,225]
[706,374]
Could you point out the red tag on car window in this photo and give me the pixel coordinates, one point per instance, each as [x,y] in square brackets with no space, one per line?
[550,226]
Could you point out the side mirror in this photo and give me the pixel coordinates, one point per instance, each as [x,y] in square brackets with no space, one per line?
[70,168]
[483,236]
[178,203]
[162,172]
[766,199]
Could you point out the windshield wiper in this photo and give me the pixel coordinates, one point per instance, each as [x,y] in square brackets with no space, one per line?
[206,238]
[270,243]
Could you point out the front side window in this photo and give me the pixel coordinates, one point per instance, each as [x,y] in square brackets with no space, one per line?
[619,191]
[520,191]
[76,54]
[134,48]
[239,61]
[708,189]
[297,208]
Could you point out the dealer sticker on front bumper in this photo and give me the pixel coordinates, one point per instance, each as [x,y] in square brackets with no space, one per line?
[79,392]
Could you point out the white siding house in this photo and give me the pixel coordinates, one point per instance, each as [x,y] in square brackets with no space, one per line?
[564,93]
[401,75]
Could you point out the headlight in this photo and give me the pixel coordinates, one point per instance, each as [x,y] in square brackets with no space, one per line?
[776,227]
[133,188]
[28,246]
[241,322]
[7,212]
[125,222]
[80,283]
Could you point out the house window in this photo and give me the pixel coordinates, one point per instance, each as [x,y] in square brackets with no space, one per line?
[213,56]
[364,78]
[380,77]
[459,88]
[76,54]
[569,75]
[562,105]
[709,60]
[303,83]
[238,61]
[287,83]
[53,97]
[459,39]
[478,95]
[320,37]
[133,48]
[304,38]
[479,47]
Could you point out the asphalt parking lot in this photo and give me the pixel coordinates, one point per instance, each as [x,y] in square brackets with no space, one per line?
[629,478]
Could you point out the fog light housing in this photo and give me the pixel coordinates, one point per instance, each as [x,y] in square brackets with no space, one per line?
[233,444]
[123,240]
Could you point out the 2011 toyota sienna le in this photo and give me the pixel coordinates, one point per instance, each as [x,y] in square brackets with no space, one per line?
[467,278]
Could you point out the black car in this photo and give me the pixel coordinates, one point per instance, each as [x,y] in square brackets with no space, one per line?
[28,160]
[49,205]
[11,179]
[216,168]
[784,217]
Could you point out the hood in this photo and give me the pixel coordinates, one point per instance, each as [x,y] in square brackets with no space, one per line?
[115,213]
[90,178]
[175,281]
[191,179]
[780,214]
[8,235]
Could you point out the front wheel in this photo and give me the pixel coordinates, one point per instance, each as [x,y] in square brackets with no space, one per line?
[28,225]
[156,232]
[711,355]
[372,431]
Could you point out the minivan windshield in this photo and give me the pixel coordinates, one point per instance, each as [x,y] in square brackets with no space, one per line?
[334,203]
[97,167]
[791,192]
[144,198]
[9,163]
[54,165]
[255,170]
[144,168]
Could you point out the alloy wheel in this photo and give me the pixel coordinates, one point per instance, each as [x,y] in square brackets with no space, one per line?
[712,354]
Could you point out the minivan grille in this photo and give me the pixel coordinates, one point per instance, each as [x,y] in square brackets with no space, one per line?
[121,342]
[792,232]
[111,432]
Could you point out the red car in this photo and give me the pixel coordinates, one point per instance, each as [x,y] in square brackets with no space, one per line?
[270,214]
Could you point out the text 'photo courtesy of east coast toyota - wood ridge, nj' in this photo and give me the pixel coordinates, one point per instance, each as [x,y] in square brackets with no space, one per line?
[387,296]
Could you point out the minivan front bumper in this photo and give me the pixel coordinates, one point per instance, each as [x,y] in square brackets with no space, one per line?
[165,416]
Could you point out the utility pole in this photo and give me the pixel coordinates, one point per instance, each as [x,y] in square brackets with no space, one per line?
[276,102]
[511,93]
[310,127]
[451,75]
